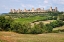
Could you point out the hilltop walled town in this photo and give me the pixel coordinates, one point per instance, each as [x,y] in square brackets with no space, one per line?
[34,10]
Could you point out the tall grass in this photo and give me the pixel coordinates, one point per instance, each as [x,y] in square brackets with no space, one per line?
[49,37]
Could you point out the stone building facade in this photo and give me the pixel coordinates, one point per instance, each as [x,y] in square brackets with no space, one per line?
[34,10]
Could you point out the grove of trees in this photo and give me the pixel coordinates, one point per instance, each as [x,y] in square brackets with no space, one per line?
[8,24]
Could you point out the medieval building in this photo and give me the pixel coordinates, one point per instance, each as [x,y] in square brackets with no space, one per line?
[34,10]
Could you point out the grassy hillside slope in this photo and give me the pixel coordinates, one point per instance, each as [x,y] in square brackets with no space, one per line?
[14,37]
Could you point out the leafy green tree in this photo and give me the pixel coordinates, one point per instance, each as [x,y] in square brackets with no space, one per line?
[21,28]
[26,28]
[55,17]
[50,18]
[57,23]
[61,17]
[49,28]
[36,29]
[41,25]
[5,23]
[16,27]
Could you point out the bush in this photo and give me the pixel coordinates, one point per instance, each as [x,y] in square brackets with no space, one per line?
[55,17]
[61,17]
[61,30]
[41,25]
[49,28]
[50,18]
[16,27]
[55,31]
[40,28]
[36,29]
[19,28]
[57,23]
[5,23]
[26,28]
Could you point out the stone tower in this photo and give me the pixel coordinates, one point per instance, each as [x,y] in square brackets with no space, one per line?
[25,10]
[50,8]
[43,9]
[14,11]
[55,8]
[11,11]
[38,9]
[32,9]
[18,11]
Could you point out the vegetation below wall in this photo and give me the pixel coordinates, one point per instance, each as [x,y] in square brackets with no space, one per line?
[21,23]
[31,14]
[8,24]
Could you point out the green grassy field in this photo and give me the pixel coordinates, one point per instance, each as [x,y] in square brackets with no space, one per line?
[29,19]
[14,37]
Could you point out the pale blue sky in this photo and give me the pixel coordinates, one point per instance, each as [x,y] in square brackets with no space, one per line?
[6,5]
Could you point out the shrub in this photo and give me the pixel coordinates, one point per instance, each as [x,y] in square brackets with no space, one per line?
[55,31]
[36,29]
[16,27]
[50,18]
[57,23]
[55,17]
[49,28]
[19,28]
[41,25]
[26,28]
[61,17]
[5,23]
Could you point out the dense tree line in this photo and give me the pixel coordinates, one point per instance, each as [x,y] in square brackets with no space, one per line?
[57,23]
[26,28]
[8,24]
